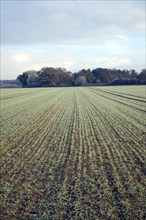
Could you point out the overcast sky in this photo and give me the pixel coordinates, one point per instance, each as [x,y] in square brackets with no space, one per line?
[71,34]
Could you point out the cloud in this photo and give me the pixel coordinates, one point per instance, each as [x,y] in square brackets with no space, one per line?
[16,62]
[122,37]
[71,34]
[104,62]
[68,22]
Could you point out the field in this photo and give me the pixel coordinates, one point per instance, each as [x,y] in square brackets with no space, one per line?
[73,153]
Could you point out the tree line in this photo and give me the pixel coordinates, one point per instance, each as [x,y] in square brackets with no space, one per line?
[10,83]
[51,77]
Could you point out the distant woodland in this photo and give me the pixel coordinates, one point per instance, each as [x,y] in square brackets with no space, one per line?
[55,77]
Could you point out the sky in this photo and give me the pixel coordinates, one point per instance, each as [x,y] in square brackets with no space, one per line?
[71,34]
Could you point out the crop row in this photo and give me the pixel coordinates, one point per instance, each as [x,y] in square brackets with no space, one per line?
[78,153]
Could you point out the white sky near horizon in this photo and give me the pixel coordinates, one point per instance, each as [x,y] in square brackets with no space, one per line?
[71,34]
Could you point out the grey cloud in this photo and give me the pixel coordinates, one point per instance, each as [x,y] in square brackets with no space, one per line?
[68,22]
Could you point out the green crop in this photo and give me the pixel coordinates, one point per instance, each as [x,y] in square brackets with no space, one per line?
[73,153]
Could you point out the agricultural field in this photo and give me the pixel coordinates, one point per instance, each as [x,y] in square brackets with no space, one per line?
[73,153]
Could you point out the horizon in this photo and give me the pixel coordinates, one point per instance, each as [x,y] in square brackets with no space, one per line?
[71,34]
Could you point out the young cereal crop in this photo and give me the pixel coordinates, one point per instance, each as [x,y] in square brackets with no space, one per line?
[73,153]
